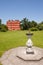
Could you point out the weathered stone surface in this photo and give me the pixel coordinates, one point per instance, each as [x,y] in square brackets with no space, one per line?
[10,57]
[23,55]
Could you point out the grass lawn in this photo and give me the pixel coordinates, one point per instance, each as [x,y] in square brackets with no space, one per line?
[0,64]
[12,39]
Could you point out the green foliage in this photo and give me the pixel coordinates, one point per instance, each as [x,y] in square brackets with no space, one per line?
[40,26]
[24,24]
[33,29]
[0,27]
[29,24]
[3,28]
[0,21]
[33,24]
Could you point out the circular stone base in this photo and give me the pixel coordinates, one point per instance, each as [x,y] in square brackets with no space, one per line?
[21,53]
[10,57]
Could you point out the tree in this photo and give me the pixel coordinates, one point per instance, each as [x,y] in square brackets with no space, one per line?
[3,28]
[0,24]
[33,24]
[29,24]
[0,21]
[24,24]
[40,26]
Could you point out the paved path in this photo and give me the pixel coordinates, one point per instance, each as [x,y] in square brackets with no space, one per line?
[10,58]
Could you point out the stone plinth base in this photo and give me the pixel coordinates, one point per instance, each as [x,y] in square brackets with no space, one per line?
[36,55]
[18,56]
[29,51]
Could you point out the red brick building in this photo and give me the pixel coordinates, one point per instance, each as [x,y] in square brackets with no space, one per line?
[13,24]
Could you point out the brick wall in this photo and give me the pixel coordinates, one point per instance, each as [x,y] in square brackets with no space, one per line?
[13,24]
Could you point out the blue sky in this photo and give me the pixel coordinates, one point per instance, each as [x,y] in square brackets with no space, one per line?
[19,9]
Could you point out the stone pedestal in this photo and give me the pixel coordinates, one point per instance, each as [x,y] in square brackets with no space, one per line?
[29,49]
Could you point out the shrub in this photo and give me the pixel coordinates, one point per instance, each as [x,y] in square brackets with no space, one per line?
[3,28]
[33,29]
[40,27]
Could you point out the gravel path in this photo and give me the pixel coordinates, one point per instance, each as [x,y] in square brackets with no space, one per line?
[10,58]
